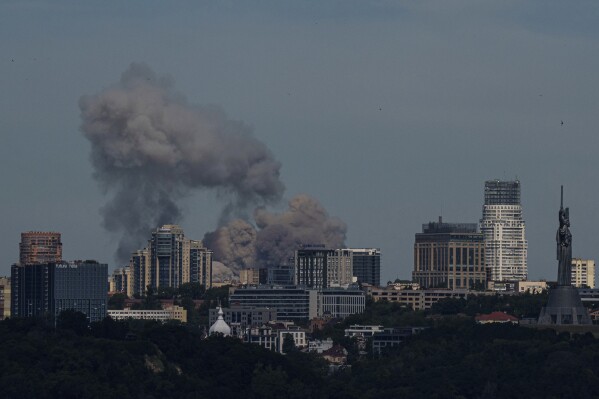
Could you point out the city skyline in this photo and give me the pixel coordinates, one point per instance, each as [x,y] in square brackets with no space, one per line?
[390,114]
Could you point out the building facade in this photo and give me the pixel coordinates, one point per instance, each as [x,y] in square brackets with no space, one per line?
[311,268]
[298,303]
[40,247]
[119,281]
[318,267]
[174,312]
[80,286]
[244,316]
[583,273]
[46,289]
[340,303]
[416,299]
[4,297]
[366,265]
[291,303]
[253,276]
[503,227]
[449,255]
[169,260]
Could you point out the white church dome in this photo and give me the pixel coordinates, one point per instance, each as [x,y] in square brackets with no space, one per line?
[220,326]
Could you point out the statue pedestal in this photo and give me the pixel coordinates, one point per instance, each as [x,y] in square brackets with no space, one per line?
[564,307]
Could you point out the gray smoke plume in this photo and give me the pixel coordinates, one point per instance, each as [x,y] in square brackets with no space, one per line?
[277,235]
[150,148]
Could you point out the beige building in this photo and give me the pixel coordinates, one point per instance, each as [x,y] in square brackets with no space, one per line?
[449,255]
[533,287]
[416,299]
[4,297]
[163,315]
[250,276]
[583,272]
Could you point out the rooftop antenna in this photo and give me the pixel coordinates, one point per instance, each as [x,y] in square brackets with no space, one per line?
[561,206]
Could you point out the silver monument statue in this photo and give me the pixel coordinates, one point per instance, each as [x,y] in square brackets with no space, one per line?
[564,305]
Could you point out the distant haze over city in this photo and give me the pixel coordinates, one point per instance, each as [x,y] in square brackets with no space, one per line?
[380,117]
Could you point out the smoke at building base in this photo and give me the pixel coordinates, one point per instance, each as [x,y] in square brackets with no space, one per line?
[150,148]
[240,245]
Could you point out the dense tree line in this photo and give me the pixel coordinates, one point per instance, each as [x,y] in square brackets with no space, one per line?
[456,358]
[149,360]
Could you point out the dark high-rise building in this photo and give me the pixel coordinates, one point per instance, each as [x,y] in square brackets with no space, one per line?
[449,255]
[139,267]
[366,265]
[31,292]
[166,256]
[280,275]
[311,266]
[81,286]
[46,289]
[40,247]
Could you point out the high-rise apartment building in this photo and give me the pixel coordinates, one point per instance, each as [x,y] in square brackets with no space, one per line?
[504,232]
[366,265]
[119,281]
[311,268]
[319,267]
[583,273]
[139,272]
[449,255]
[40,247]
[169,260]
[166,256]
[46,289]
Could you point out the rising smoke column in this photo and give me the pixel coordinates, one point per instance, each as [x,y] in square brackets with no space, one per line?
[277,235]
[150,148]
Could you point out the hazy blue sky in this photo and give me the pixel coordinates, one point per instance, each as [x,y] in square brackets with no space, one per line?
[389,112]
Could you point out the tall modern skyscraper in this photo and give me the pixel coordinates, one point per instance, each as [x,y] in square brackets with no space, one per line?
[40,247]
[166,256]
[504,232]
[449,255]
[169,260]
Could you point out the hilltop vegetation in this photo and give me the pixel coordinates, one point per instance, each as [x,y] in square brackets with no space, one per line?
[454,358]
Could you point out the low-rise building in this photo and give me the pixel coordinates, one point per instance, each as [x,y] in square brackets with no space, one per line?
[496,317]
[244,316]
[362,331]
[335,355]
[532,287]
[272,336]
[294,303]
[341,303]
[318,346]
[391,337]
[163,315]
[416,299]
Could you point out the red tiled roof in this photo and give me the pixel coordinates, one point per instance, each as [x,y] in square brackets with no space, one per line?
[496,316]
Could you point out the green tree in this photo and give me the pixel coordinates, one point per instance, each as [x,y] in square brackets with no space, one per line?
[73,320]
[288,344]
[117,301]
